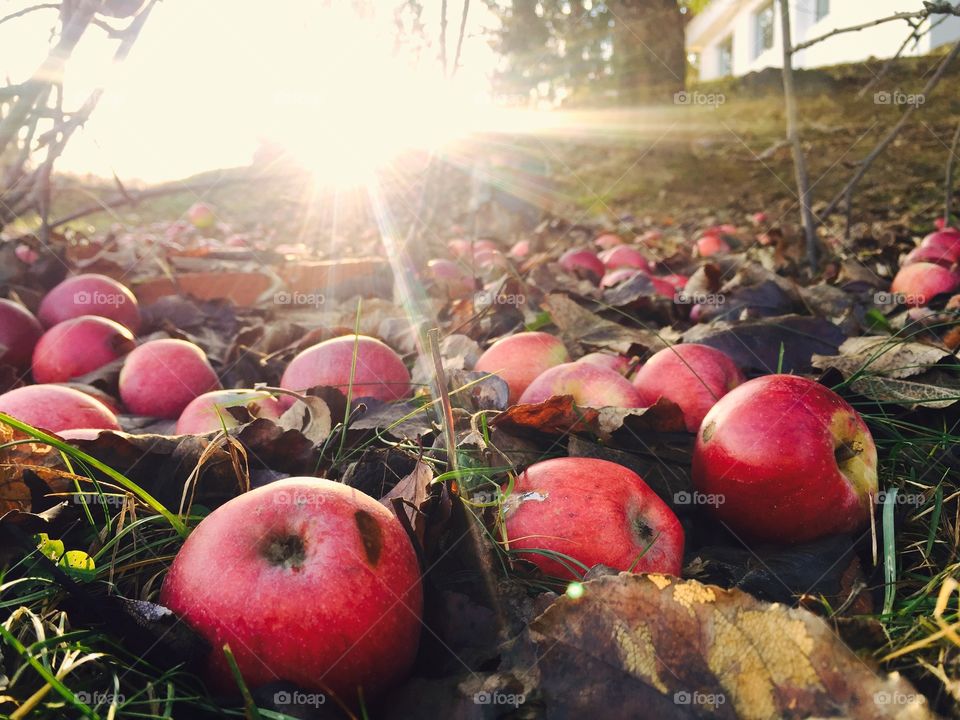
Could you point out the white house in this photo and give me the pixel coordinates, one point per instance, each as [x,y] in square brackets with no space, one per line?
[735,37]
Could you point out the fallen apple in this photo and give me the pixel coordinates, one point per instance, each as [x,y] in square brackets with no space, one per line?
[605,241]
[624,256]
[711,244]
[451,278]
[590,385]
[519,359]
[209,412]
[78,346]
[309,582]
[56,408]
[937,254]
[790,460]
[583,263]
[19,333]
[594,512]
[201,216]
[919,283]
[161,377]
[90,294]
[692,376]
[378,372]
[617,363]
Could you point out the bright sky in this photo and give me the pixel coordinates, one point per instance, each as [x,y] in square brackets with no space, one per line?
[208,78]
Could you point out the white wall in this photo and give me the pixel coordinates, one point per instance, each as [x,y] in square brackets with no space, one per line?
[880,41]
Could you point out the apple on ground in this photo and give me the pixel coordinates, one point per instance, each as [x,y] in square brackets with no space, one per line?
[520,249]
[691,375]
[617,363]
[711,244]
[79,346]
[590,385]
[946,238]
[57,408]
[519,359]
[595,512]
[920,282]
[19,333]
[201,216]
[161,377]
[605,241]
[624,256]
[937,254]
[209,412]
[451,278]
[90,294]
[580,262]
[614,277]
[309,581]
[678,282]
[791,460]
[378,372]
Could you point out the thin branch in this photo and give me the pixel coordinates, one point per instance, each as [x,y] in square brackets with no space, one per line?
[463,31]
[24,11]
[796,145]
[865,164]
[443,36]
[914,37]
[944,9]
[948,181]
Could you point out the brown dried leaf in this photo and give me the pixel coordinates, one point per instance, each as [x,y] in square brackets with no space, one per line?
[310,416]
[718,652]
[909,393]
[555,416]
[414,490]
[579,325]
[881,355]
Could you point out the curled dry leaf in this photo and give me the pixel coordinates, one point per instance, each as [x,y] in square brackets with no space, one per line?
[310,416]
[881,355]
[555,416]
[580,326]
[741,657]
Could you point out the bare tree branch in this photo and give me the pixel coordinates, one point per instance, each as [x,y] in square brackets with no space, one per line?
[793,136]
[25,11]
[443,36]
[865,164]
[943,8]
[463,31]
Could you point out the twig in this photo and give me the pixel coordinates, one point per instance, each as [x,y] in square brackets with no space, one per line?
[943,8]
[793,135]
[24,11]
[443,36]
[463,30]
[948,182]
[447,409]
[865,164]
[914,36]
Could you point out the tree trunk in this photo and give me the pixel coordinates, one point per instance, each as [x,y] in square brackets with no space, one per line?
[649,55]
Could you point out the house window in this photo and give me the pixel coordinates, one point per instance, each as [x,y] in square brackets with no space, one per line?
[823,9]
[725,57]
[763,22]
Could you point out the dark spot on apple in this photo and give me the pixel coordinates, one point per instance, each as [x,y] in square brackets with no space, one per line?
[370,534]
[847,451]
[708,431]
[642,530]
[285,551]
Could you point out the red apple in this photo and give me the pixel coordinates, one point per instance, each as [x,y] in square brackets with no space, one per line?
[380,372]
[594,511]
[947,239]
[208,412]
[56,408]
[678,282]
[709,245]
[758,218]
[451,278]
[615,277]
[939,255]
[617,363]
[201,216]
[606,241]
[624,256]
[663,287]
[520,249]
[161,377]
[19,333]
[690,375]
[308,581]
[788,459]
[79,346]
[590,385]
[90,294]
[918,283]
[579,262]
[519,359]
